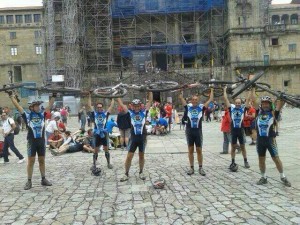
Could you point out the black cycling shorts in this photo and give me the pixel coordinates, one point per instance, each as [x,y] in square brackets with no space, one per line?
[194,137]
[237,134]
[137,141]
[36,146]
[248,131]
[98,141]
[264,143]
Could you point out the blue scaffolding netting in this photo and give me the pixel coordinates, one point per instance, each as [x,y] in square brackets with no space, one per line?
[188,50]
[129,8]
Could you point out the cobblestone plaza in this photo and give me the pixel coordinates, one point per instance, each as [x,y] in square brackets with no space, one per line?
[221,197]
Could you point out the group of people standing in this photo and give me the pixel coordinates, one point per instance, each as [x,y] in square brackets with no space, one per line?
[132,124]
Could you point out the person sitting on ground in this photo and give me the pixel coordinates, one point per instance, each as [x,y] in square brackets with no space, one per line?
[68,141]
[88,145]
[52,125]
[55,140]
[162,125]
[149,127]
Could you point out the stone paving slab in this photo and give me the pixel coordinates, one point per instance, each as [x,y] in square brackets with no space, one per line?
[221,197]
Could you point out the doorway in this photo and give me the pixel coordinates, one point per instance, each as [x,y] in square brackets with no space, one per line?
[161,61]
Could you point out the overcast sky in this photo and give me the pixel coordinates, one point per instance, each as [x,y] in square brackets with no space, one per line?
[16,3]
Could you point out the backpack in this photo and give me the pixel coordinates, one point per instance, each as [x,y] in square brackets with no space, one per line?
[17,129]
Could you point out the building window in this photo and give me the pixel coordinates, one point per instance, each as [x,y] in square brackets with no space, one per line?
[37,34]
[19,18]
[17,73]
[9,19]
[274,41]
[2,20]
[294,19]
[286,83]
[13,50]
[12,35]
[37,18]
[28,18]
[292,47]
[38,50]
[275,19]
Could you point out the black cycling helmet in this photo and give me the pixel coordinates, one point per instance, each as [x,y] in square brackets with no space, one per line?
[34,102]
[136,102]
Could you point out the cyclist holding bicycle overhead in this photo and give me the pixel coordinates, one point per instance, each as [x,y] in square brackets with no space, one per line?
[194,115]
[35,122]
[266,137]
[237,112]
[138,134]
[100,117]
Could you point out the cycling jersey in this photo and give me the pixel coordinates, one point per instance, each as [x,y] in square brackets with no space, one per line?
[265,122]
[194,115]
[138,120]
[237,116]
[35,123]
[100,119]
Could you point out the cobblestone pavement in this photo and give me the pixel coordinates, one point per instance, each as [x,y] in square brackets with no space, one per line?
[221,197]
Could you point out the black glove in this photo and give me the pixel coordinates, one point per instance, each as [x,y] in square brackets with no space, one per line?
[54,95]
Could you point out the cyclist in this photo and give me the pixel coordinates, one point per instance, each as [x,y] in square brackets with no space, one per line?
[237,112]
[100,133]
[194,114]
[35,121]
[266,137]
[138,134]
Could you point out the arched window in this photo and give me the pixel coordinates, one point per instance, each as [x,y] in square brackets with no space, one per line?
[275,19]
[294,19]
[285,19]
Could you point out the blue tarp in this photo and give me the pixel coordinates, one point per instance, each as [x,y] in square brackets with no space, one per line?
[128,8]
[188,50]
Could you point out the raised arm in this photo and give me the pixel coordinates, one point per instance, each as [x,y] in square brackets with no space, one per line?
[51,102]
[211,98]
[89,103]
[254,101]
[180,96]
[16,104]
[248,99]
[120,102]
[227,103]
[150,99]
[279,105]
[111,105]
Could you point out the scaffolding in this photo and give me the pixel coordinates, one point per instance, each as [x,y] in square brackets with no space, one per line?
[86,39]
[190,34]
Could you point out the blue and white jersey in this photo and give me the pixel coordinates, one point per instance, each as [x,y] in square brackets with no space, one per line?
[100,122]
[35,123]
[237,115]
[138,120]
[265,123]
[194,115]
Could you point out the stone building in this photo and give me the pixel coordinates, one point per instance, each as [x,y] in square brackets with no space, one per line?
[265,38]
[20,47]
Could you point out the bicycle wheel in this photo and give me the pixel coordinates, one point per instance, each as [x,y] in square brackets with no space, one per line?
[7,87]
[245,85]
[110,92]
[218,92]
[162,86]
[218,82]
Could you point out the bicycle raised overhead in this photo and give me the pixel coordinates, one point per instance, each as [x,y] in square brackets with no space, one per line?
[121,89]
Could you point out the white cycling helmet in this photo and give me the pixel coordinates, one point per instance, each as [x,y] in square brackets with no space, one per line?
[136,102]
[266,99]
